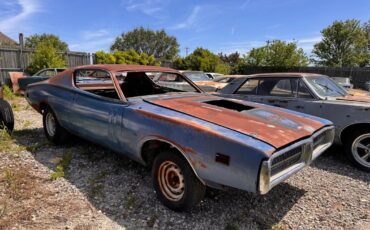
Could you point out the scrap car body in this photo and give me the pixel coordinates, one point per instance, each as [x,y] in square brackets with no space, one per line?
[317,95]
[224,142]
[20,80]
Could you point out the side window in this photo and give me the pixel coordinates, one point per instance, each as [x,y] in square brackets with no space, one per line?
[49,73]
[303,91]
[174,81]
[276,87]
[42,73]
[249,87]
[97,82]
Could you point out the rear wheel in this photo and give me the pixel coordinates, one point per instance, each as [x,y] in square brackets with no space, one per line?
[358,149]
[6,116]
[175,183]
[53,131]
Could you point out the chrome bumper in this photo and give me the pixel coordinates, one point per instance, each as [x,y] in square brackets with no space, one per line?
[294,157]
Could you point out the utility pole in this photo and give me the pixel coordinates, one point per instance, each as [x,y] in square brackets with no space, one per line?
[186,51]
[21,45]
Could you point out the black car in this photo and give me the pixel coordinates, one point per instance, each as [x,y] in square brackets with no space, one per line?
[6,113]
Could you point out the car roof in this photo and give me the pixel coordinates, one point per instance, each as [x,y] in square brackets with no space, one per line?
[123,68]
[283,74]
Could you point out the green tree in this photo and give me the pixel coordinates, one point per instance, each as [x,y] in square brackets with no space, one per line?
[232,60]
[366,27]
[156,43]
[344,44]
[125,57]
[276,53]
[45,56]
[102,57]
[204,60]
[34,40]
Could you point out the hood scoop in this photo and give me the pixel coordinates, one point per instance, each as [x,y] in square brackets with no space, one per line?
[229,105]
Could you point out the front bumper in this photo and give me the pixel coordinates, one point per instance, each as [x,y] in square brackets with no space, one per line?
[288,161]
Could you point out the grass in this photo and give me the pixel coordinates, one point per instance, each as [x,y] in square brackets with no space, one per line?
[8,94]
[95,184]
[35,147]
[62,166]
[7,144]
[130,201]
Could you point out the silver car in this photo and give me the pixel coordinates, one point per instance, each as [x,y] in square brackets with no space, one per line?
[316,95]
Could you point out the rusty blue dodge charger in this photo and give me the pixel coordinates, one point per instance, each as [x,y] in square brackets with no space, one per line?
[190,139]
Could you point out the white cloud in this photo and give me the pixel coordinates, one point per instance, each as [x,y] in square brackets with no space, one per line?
[241,46]
[94,40]
[149,7]
[189,21]
[16,14]
[87,35]
[307,43]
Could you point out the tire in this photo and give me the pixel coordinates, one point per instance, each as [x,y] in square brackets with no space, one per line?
[6,116]
[357,148]
[53,131]
[184,190]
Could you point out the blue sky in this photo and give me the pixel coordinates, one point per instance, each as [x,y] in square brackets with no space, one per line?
[221,26]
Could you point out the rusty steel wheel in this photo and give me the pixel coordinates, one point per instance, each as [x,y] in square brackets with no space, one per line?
[175,183]
[53,131]
[171,181]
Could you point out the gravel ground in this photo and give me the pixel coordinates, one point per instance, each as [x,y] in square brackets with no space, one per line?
[103,190]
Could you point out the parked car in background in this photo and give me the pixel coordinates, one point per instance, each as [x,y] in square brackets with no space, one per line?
[20,81]
[317,95]
[6,113]
[42,75]
[199,78]
[217,83]
[213,76]
[367,86]
[345,82]
[358,92]
[190,139]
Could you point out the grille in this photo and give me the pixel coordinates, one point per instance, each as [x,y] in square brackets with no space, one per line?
[286,160]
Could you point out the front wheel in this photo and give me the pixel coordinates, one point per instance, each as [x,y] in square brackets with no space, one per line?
[53,131]
[358,149]
[175,183]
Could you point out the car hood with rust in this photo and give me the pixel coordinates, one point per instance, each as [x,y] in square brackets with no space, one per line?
[275,126]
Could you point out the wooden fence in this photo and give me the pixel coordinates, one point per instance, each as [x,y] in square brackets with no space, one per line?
[358,75]
[17,59]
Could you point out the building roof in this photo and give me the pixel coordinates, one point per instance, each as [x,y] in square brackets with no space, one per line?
[5,40]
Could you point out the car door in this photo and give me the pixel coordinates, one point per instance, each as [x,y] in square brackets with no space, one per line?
[96,110]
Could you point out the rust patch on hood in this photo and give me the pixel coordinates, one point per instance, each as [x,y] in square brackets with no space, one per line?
[273,126]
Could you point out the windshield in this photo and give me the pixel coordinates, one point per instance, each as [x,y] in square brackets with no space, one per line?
[196,76]
[325,87]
